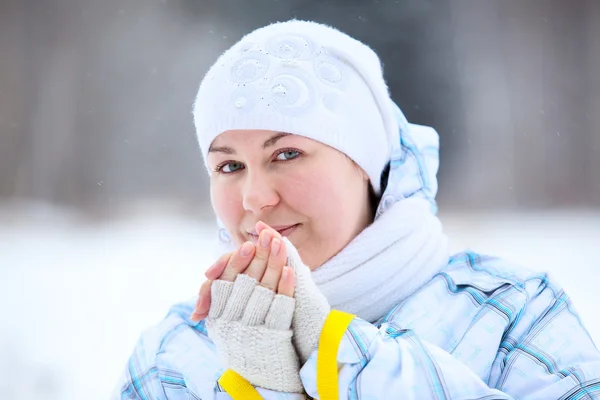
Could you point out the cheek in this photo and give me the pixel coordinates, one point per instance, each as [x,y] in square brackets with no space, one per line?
[302,191]
[315,194]
[226,203]
[336,200]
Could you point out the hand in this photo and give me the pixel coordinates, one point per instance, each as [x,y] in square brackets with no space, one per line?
[312,307]
[250,324]
[263,262]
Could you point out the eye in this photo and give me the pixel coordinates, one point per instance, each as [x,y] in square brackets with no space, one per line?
[288,154]
[229,167]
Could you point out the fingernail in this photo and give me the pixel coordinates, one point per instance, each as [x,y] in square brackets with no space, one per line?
[265,239]
[275,246]
[260,226]
[246,249]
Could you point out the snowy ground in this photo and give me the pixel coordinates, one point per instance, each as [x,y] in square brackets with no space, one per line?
[76,297]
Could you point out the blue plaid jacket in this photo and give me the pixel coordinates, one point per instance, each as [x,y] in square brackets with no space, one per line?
[480,329]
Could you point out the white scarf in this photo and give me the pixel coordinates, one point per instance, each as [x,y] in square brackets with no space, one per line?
[387,262]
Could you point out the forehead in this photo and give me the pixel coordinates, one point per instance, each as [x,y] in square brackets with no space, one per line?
[233,141]
[244,136]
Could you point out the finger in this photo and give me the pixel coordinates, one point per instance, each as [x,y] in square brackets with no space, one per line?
[277,259]
[203,303]
[237,298]
[286,284]
[281,313]
[257,266]
[261,226]
[220,293]
[215,271]
[196,317]
[258,306]
[238,262]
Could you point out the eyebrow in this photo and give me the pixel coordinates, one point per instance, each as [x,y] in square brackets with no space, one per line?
[271,142]
[215,149]
[268,143]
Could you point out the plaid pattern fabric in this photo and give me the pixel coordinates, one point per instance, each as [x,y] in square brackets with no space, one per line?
[481,329]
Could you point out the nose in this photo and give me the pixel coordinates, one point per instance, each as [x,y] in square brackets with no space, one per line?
[259,192]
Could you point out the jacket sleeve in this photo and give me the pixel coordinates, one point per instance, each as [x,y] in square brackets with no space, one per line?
[144,378]
[150,376]
[547,354]
[157,384]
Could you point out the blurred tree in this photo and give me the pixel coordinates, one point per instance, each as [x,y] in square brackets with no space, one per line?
[95,97]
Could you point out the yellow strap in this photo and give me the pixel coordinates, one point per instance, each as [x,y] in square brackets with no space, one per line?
[327,368]
[237,387]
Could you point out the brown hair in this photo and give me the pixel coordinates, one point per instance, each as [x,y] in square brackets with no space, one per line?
[374,199]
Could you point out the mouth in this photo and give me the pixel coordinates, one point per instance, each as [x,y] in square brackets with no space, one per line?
[284,230]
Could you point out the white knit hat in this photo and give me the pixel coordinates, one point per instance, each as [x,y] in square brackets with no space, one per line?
[302,78]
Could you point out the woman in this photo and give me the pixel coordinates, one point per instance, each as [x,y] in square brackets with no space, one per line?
[326,200]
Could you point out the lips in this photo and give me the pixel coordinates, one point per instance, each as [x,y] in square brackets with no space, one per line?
[284,230]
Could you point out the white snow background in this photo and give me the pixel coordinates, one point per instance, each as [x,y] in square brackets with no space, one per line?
[75,296]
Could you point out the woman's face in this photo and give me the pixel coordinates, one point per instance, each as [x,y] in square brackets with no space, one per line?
[309,192]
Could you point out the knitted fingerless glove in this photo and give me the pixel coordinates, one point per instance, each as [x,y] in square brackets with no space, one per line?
[250,326]
[312,307]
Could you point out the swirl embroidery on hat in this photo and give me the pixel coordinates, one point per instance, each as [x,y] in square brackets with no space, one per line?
[330,70]
[246,46]
[291,92]
[286,88]
[332,102]
[244,99]
[252,66]
[291,47]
